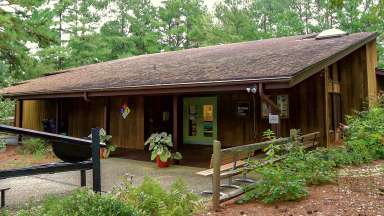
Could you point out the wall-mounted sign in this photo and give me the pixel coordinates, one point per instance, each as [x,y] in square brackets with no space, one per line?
[273,119]
[283,105]
[124,111]
[242,109]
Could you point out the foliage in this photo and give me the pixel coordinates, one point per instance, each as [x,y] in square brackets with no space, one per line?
[153,200]
[160,144]
[276,184]
[7,109]
[286,179]
[34,146]
[3,144]
[82,203]
[105,139]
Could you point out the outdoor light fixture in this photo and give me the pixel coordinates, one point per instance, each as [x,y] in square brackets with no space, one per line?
[252,89]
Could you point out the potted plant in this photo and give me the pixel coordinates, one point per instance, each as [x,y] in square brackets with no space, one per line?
[105,139]
[160,145]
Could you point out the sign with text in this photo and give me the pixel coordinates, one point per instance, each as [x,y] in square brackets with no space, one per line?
[273,119]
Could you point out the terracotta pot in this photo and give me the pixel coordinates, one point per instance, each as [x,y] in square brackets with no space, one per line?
[103,153]
[160,163]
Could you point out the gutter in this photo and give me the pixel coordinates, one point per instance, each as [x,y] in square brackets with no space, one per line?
[152,89]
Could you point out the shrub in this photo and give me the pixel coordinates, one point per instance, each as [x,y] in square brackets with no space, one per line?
[310,166]
[286,180]
[276,184]
[34,146]
[82,202]
[7,109]
[339,156]
[152,199]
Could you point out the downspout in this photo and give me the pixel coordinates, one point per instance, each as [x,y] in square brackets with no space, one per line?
[85,97]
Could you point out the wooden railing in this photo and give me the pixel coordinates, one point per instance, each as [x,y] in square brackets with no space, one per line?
[308,140]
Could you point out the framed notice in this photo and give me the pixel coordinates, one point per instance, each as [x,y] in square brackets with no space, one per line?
[273,119]
[283,105]
[242,109]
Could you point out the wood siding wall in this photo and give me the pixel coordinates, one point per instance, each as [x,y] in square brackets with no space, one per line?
[35,111]
[305,106]
[129,132]
[371,54]
[81,116]
[357,81]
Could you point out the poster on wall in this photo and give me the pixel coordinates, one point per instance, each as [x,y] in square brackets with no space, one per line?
[283,104]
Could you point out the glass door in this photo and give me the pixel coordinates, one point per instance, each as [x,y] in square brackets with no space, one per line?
[199,120]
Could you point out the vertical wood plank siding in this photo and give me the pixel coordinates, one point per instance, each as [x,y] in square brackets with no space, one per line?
[129,132]
[371,53]
[35,111]
[82,116]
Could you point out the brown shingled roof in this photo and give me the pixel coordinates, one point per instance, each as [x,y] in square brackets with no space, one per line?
[279,58]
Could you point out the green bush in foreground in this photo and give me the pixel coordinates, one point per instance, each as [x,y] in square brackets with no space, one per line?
[153,200]
[148,199]
[287,179]
[82,203]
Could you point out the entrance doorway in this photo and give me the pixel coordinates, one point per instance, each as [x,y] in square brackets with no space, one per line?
[199,120]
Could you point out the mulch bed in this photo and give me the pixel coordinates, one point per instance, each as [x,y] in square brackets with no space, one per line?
[358,191]
[11,158]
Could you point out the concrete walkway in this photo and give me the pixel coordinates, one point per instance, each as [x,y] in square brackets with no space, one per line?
[34,188]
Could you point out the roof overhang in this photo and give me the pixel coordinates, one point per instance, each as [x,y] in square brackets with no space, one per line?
[181,88]
[317,67]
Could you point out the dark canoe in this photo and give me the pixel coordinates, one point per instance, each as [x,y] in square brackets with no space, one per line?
[72,153]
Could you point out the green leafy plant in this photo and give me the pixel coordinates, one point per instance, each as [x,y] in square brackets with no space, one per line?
[153,200]
[7,109]
[160,144]
[34,146]
[105,139]
[276,184]
[82,202]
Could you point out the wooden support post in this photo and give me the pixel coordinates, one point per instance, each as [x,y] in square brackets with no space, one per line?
[107,115]
[216,174]
[57,114]
[2,205]
[96,159]
[175,122]
[20,119]
[326,108]
[83,178]
[21,102]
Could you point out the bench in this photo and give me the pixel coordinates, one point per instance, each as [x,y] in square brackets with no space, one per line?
[230,162]
[230,166]
[2,197]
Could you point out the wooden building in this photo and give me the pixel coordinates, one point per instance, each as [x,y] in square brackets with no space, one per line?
[231,92]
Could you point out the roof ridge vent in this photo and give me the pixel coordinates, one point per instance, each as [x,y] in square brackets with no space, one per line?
[331,33]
